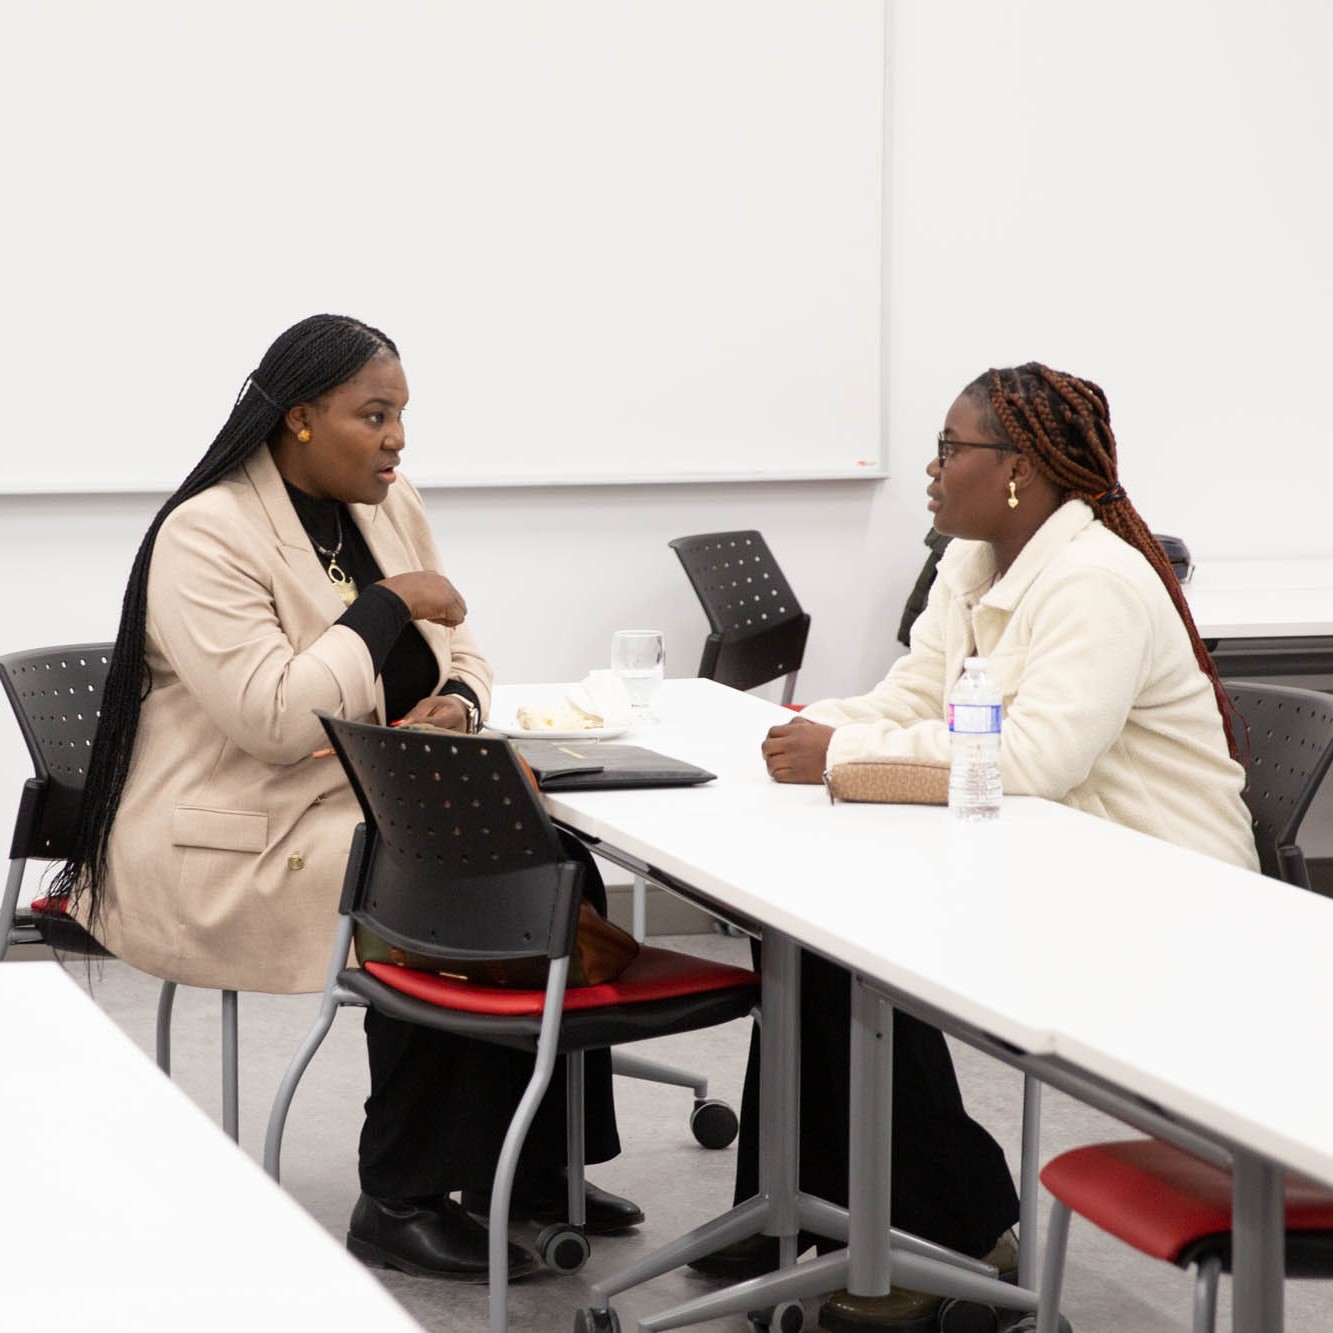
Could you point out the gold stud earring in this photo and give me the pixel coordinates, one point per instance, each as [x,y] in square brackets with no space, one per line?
[304,436]
[1013,495]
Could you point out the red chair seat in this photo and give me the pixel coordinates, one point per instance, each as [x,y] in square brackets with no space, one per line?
[50,906]
[1161,1199]
[656,974]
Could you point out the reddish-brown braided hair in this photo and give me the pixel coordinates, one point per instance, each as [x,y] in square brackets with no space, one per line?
[1063,424]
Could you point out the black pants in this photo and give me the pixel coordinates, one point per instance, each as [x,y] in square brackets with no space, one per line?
[950,1182]
[440,1104]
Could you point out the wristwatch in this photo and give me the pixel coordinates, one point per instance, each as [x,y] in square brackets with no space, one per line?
[473,714]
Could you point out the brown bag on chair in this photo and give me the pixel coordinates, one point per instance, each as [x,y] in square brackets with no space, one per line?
[602,951]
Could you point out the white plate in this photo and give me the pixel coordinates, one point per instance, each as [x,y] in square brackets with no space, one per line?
[518,733]
[505,722]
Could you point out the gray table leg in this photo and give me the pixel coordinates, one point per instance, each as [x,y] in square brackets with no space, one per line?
[1258,1246]
[877,1254]
[869,1155]
[1029,1180]
[780,1100]
[779,1209]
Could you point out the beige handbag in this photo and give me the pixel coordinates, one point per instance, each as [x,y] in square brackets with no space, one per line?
[890,781]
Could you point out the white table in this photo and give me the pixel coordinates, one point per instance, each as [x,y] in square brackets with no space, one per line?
[1246,599]
[126,1208]
[1271,617]
[1083,945]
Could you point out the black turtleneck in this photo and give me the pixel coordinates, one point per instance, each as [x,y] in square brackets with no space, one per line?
[400,655]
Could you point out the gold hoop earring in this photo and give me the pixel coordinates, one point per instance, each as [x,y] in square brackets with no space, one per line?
[304,436]
[1013,495]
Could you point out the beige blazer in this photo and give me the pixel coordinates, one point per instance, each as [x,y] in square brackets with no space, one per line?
[227,855]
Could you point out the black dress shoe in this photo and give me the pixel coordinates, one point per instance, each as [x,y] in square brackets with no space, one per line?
[439,1241]
[545,1199]
[750,1257]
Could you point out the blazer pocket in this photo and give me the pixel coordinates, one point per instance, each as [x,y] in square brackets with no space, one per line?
[225,830]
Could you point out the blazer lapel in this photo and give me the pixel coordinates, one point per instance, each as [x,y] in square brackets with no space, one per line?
[382,537]
[293,542]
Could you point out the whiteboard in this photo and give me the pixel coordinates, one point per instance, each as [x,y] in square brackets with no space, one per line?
[615,240]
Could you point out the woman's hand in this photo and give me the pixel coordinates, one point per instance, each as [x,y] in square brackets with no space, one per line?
[429,596]
[797,751]
[440,710]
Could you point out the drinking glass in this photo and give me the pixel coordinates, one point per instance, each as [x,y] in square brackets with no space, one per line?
[638,657]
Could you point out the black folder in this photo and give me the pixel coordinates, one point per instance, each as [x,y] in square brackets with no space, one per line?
[589,766]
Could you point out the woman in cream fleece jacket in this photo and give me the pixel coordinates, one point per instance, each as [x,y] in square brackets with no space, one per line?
[1111,705]
[1105,707]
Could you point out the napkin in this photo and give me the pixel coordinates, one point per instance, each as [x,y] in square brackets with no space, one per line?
[603,693]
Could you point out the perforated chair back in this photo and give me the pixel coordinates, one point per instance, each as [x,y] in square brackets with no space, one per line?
[1287,752]
[56,695]
[460,860]
[758,630]
[457,859]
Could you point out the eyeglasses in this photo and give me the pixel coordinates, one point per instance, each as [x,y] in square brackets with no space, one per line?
[944,448]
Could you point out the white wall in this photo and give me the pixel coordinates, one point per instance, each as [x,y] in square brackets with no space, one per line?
[1141,193]
[518,187]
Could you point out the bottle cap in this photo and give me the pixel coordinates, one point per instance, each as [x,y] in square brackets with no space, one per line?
[976,664]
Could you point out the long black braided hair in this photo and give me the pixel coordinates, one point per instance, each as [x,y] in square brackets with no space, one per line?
[306,361]
[1063,424]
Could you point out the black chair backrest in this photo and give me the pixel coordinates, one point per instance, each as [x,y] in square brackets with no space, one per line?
[56,695]
[758,627]
[459,857]
[1287,753]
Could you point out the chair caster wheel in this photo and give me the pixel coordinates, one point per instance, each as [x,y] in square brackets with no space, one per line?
[1028,1324]
[590,1320]
[958,1316]
[784,1317]
[714,1124]
[563,1249]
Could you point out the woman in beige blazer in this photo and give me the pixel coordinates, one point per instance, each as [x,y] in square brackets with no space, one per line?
[295,570]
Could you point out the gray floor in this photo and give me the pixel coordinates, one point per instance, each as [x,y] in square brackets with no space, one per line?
[1109,1288]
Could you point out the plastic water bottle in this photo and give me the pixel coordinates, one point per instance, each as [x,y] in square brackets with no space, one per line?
[974,744]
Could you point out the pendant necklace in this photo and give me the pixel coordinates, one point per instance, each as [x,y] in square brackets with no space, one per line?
[343,583]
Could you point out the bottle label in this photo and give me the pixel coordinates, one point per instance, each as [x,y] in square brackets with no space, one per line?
[975,719]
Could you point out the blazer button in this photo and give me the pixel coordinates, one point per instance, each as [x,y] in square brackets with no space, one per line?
[296,861]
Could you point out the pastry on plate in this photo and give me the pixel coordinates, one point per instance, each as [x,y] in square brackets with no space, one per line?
[561,715]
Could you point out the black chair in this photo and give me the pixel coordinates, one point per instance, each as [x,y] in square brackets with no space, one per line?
[757,628]
[457,860]
[56,695]
[1287,748]
[1165,1201]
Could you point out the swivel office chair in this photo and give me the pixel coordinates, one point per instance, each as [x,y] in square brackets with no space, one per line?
[1162,1200]
[56,695]
[757,628]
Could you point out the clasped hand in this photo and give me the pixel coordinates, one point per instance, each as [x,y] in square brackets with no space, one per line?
[797,751]
[429,596]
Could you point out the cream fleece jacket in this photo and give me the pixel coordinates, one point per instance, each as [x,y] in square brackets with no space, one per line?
[1105,708]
